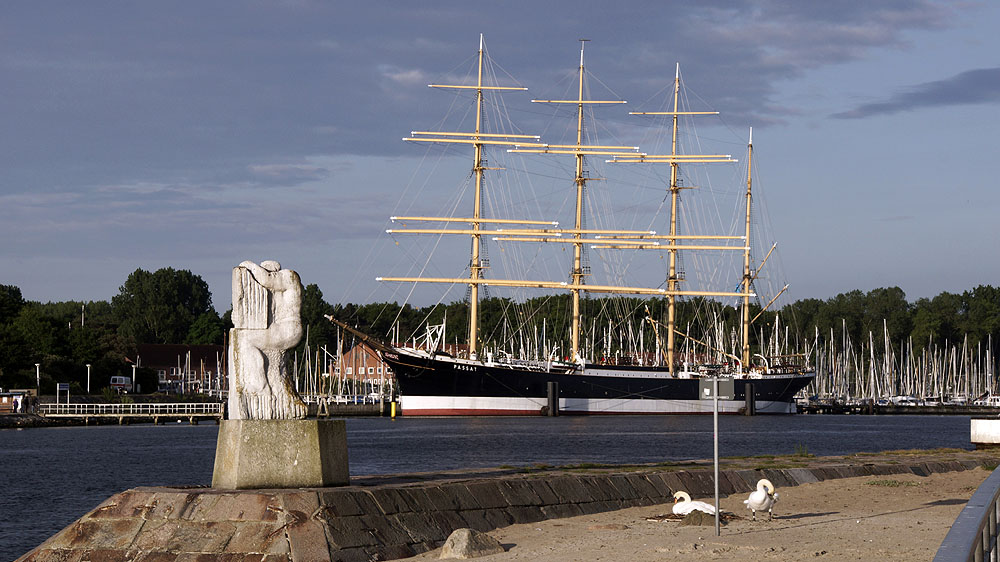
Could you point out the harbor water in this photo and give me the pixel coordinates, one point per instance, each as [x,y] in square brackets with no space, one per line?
[53,476]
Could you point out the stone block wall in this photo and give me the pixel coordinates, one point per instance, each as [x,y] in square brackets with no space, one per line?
[388,521]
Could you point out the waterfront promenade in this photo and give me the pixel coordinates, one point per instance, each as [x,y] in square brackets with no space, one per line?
[894,506]
[897,518]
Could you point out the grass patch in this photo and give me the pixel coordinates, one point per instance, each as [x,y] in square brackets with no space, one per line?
[589,466]
[537,467]
[890,483]
[921,452]
[912,452]
[779,465]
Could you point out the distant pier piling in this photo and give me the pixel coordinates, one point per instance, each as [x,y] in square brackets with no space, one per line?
[751,400]
[553,398]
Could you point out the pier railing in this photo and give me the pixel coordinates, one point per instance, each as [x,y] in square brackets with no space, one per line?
[973,535]
[151,410]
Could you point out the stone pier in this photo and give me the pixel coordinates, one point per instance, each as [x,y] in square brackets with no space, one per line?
[388,517]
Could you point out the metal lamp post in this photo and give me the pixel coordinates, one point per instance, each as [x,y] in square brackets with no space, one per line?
[88,378]
[133,378]
[38,378]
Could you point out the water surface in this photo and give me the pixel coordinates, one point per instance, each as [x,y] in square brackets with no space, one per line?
[53,476]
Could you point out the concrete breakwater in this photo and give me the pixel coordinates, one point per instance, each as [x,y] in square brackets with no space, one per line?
[388,517]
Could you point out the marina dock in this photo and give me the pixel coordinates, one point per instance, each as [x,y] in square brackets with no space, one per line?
[888,410]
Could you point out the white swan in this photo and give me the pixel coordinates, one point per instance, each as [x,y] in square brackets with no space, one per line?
[687,506]
[761,499]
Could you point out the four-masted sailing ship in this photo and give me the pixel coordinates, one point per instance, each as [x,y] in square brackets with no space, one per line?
[432,382]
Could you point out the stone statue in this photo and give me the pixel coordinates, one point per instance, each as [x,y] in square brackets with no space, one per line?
[266,324]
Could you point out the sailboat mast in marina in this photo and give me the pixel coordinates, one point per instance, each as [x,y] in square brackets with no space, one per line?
[435,383]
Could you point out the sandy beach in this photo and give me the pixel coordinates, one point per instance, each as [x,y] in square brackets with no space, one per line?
[897,517]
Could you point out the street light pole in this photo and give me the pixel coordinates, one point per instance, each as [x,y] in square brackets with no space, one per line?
[38,378]
[133,378]
[88,378]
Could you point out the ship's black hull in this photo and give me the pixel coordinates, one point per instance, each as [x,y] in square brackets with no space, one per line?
[441,385]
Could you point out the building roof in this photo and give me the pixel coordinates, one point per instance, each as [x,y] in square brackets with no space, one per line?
[165,355]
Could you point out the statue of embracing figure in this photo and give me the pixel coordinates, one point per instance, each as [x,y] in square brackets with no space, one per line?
[266,323]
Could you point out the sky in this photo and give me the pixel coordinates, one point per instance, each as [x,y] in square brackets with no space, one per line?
[196,135]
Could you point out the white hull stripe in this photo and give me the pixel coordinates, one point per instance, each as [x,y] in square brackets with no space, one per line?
[482,405]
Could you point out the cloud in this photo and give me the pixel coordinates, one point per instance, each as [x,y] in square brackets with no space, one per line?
[967,88]
[410,77]
[738,55]
[288,174]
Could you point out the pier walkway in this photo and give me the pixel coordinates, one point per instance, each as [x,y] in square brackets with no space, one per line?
[193,412]
[889,506]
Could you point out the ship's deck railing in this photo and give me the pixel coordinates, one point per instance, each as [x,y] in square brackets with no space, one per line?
[342,398]
[186,409]
[973,535]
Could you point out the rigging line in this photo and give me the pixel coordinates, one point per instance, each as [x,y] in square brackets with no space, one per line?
[640,394]
[426,318]
[588,74]
[499,325]
[491,64]
[516,391]
[430,255]
[369,259]
[660,94]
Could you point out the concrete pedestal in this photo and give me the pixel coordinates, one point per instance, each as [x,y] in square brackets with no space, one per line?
[255,454]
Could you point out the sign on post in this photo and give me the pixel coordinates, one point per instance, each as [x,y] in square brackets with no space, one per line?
[716,389]
[61,386]
[727,390]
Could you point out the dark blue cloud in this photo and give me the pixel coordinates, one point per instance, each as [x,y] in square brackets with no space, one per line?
[980,86]
[98,93]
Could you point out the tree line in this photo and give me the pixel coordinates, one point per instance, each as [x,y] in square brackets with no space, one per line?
[175,306]
[167,306]
[973,315]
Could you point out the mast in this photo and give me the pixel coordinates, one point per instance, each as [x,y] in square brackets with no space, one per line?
[581,182]
[675,159]
[612,239]
[672,253]
[746,261]
[478,139]
[579,150]
[475,264]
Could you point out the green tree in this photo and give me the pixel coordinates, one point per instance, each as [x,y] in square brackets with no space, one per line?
[10,302]
[84,345]
[160,307]
[16,369]
[936,319]
[981,307]
[208,328]
[887,305]
[46,334]
[321,331]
